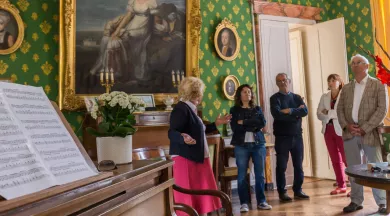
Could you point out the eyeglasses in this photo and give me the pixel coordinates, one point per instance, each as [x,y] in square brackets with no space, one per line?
[357,63]
[283,81]
[106,165]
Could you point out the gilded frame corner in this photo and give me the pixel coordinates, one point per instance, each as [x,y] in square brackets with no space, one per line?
[68,99]
[10,8]
[227,24]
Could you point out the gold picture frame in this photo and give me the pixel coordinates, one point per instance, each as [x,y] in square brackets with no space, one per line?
[226,40]
[230,85]
[8,80]
[68,99]
[14,26]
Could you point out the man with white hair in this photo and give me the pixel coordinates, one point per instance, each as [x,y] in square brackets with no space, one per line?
[6,39]
[362,108]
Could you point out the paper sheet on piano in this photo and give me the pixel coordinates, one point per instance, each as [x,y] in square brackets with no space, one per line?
[36,149]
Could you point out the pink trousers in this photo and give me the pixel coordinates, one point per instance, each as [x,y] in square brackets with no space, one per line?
[335,146]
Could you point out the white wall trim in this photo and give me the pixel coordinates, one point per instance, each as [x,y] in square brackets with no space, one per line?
[287,19]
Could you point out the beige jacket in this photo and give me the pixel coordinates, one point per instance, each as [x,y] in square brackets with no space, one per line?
[372,110]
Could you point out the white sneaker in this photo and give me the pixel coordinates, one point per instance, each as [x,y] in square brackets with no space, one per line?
[244,208]
[264,206]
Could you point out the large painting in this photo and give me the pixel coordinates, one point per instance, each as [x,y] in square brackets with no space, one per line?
[139,46]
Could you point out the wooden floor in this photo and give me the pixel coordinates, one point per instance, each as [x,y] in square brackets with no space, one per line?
[320,203]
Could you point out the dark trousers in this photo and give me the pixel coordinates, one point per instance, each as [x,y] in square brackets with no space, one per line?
[283,146]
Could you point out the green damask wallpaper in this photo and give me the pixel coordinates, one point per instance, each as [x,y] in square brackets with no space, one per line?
[213,69]
[36,61]
[358,25]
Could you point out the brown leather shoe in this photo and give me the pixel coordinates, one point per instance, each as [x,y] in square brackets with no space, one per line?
[352,207]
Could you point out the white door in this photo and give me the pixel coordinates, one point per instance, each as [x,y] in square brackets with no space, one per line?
[324,53]
[275,58]
[298,77]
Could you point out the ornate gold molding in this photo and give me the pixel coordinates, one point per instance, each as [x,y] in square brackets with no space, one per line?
[287,10]
[68,99]
[10,8]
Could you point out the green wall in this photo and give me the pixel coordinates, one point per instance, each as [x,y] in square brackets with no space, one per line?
[213,69]
[358,26]
[358,23]
[36,62]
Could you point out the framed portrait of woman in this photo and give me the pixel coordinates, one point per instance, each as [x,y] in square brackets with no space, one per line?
[136,46]
[227,41]
[11,28]
[230,85]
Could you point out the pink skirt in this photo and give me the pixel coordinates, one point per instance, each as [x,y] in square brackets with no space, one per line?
[196,176]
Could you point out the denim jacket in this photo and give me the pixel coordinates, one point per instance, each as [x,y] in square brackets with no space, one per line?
[253,121]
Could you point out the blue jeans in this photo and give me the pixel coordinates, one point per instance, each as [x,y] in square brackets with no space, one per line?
[242,154]
[284,145]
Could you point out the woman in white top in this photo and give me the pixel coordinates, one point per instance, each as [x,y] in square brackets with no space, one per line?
[326,112]
[123,46]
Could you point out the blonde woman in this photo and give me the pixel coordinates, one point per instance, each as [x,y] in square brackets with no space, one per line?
[189,149]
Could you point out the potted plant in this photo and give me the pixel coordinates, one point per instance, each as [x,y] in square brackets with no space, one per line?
[115,115]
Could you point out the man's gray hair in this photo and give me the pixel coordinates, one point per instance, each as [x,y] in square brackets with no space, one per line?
[282,74]
[362,57]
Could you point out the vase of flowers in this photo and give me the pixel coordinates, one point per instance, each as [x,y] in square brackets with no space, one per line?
[115,115]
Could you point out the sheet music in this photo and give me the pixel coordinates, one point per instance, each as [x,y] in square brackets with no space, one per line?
[46,132]
[21,171]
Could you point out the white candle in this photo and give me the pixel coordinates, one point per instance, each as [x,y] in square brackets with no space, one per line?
[107,74]
[101,75]
[112,75]
[178,76]
[173,76]
[182,75]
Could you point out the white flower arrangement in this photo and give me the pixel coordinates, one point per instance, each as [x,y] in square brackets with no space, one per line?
[116,111]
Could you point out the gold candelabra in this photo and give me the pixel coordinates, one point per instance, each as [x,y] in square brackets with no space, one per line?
[107,79]
[177,77]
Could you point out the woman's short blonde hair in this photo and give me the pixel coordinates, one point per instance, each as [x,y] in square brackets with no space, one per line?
[191,88]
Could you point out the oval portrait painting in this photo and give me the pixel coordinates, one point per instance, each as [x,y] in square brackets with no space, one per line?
[230,85]
[226,41]
[11,30]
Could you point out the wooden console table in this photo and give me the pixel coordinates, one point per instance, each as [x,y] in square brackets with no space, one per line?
[132,190]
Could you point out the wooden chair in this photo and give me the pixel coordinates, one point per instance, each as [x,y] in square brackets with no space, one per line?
[383,130]
[228,174]
[158,153]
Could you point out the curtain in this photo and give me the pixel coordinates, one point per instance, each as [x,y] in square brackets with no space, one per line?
[381,23]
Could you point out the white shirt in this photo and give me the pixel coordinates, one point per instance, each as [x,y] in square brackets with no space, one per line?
[249,137]
[357,98]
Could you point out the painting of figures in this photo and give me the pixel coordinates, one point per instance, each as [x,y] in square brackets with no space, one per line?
[139,45]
